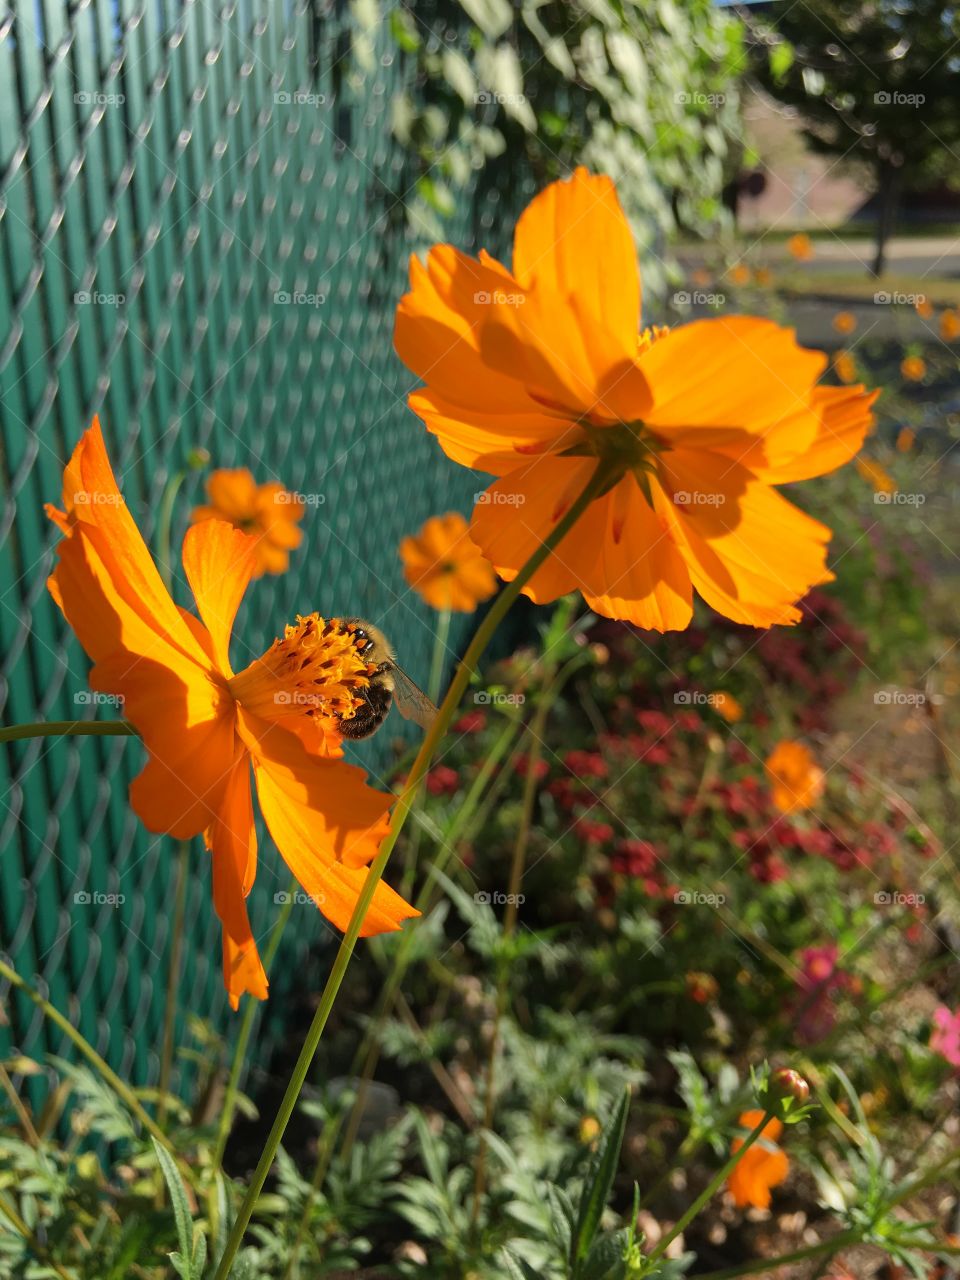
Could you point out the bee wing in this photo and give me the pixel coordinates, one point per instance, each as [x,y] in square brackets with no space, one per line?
[411,701]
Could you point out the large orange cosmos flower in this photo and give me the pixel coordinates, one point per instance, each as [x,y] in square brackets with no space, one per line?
[537,375]
[204,726]
[763,1165]
[267,511]
[444,564]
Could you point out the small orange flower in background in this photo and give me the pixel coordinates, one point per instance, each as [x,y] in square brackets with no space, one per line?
[950,326]
[446,567]
[539,377]
[727,706]
[700,278]
[906,438]
[205,727]
[845,366]
[740,273]
[763,276]
[701,987]
[875,475]
[913,368]
[844,322]
[924,308]
[763,1166]
[800,247]
[797,781]
[266,511]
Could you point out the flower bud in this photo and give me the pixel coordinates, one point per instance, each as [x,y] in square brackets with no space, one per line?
[787,1083]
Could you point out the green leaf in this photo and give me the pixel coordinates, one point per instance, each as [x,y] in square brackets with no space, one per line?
[596,1188]
[181,1211]
[781,60]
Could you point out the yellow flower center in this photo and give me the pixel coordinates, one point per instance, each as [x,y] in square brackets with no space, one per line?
[314,670]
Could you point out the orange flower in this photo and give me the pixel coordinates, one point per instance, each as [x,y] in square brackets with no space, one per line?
[727,706]
[875,475]
[906,438]
[444,564]
[763,276]
[950,326]
[267,511]
[845,366]
[844,322]
[538,376]
[205,726]
[797,780]
[913,368]
[924,308]
[800,247]
[740,273]
[763,1165]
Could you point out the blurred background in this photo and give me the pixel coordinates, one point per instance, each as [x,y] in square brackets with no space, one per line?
[205,219]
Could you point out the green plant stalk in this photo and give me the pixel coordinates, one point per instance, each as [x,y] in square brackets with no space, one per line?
[173,979]
[122,1090]
[67,729]
[712,1187]
[30,1240]
[520,846]
[596,485]
[250,1007]
[164,526]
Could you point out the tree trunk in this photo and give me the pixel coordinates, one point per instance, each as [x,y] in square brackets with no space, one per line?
[889,200]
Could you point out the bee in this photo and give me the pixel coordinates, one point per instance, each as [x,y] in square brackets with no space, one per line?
[388,684]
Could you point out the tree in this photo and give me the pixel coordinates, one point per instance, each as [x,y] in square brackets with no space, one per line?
[878,78]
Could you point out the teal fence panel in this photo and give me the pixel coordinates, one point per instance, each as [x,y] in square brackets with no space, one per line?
[202,239]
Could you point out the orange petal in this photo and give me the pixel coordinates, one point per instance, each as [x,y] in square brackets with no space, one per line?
[734,372]
[232,841]
[573,241]
[844,422]
[483,440]
[517,513]
[232,493]
[751,554]
[219,562]
[644,578]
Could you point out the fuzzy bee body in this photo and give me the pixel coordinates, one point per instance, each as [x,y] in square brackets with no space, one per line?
[388,685]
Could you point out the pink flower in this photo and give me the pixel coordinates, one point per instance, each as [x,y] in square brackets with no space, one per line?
[945,1037]
[819,979]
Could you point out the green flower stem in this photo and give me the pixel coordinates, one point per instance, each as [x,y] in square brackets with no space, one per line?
[713,1186]
[440,641]
[250,1007]
[67,729]
[844,1240]
[596,485]
[122,1090]
[30,1240]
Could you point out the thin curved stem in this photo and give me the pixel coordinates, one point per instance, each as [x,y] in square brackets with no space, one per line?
[596,485]
[67,729]
[173,979]
[122,1090]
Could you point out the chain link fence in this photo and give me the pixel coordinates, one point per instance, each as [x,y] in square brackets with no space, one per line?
[202,239]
